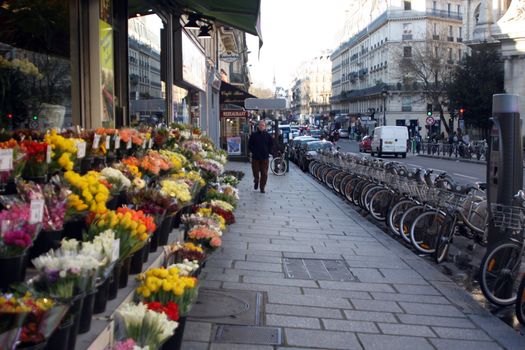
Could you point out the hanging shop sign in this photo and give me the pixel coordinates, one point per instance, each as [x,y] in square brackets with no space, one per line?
[229,57]
[190,62]
[234,114]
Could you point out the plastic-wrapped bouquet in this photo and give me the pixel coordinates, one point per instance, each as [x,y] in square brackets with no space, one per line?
[16,231]
[186,267]
[147,328]
[177,189]
[119,182]
[206,236]
[211,168]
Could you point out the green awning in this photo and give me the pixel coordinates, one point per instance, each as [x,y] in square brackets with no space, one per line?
[241,14]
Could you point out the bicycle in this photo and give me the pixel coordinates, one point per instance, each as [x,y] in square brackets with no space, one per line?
[500,266]
[279,164]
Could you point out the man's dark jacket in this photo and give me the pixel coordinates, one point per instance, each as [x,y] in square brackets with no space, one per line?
[260,144]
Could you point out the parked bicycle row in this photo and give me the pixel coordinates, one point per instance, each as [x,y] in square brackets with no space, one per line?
[428,211]
[476,150]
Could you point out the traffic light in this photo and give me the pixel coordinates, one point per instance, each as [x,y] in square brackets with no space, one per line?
[35,117]
[461,111]
[429,109]
[10,116]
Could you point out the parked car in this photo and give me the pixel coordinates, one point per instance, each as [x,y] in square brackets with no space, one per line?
[390,140]
[309,150]
[316,133]
[296,144]
[365,145]
[343,133]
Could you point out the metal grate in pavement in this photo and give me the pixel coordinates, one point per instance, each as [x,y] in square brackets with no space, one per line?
[248,335]
[228,306]
[317,269]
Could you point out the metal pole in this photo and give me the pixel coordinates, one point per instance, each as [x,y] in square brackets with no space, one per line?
[384,110]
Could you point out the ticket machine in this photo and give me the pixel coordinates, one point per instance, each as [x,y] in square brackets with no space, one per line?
[505,158]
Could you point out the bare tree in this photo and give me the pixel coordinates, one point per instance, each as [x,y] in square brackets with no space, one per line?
[428,65]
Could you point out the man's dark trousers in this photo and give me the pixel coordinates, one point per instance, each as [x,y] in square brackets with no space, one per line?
[260,166]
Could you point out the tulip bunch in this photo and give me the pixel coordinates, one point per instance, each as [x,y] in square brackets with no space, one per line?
[63,151]
[176,189]
[89,194]
[177,160]
[35,158]
[165,285]
[206,236]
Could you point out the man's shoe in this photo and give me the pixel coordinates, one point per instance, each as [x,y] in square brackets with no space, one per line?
[255,185]
[262,191]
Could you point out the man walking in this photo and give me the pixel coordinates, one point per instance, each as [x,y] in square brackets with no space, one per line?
[260,145]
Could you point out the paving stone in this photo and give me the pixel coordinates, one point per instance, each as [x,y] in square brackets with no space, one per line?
[465,334]
[392,342]
[370,316]
[209,276]
[350,326]
[459,297]
[500,331]
[376,305]
[405,329]
[262,288]
[436,321]
[258,266]
[228,346]
[197,331]
[321,339]
[357,286]
[292,321]
[410,297]
[307,300]
[282,281]
[191,345]
[449,344]
[337,293]
[295,310]
[209,284]
[413,289]
[430,309]
[264,258]
[241,272]
[279,247]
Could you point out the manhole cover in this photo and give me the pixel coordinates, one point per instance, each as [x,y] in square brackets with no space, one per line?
[248,335]
[222,306]
[317,269]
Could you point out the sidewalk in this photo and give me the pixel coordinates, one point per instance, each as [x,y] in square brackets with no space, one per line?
[281,279]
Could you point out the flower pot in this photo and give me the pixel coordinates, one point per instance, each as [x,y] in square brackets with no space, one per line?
[98,163]
[36,179]
[60,337]
[86,164]
[45,241]
[165,230]
[32,346]
[137,260]
[74,314]
[114,281]
[175,341]
[75,229]
[86,314]
[122,199]
[12,270]
[154,242]
[124,273]
[112,204]
[146,251]
[101,298]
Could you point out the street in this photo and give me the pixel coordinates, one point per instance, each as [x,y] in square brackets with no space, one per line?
[463,172]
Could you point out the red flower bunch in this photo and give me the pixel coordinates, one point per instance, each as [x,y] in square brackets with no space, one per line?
[226,214]
[171,309]
[34,150]
[139,215]
[18,238]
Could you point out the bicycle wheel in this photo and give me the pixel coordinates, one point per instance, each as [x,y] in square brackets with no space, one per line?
[424,230]
[336,181]
[407,219]
[499,271]
[367,197]
[444,239]
[344,181]
[520,302]
[329,178]
[350,187]
[379,204]
[278,166]
[395,213]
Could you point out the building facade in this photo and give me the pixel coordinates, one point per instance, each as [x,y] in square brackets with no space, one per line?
[312,87]
[392,54]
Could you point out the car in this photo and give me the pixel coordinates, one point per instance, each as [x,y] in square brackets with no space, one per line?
[308,151]
[390,140]
[343,133]
[316,133]
[296,144]
[366,144]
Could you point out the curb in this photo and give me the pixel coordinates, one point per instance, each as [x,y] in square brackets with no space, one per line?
[453,159]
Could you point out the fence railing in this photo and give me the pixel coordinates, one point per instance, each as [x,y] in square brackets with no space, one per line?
[474,151]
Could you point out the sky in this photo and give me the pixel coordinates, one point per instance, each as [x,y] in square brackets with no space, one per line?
[293,31]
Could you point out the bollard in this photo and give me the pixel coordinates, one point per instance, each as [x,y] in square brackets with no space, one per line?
[504,158]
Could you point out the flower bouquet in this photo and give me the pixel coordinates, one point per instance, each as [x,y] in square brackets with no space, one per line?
[167,284]
[177,160]
[176,189]
[10,172]
[147,328]
[229,179]
[221,208]
[215,194]
[178,252]
[127,344]
[63,154]
[210,169]
[206,236]
[13,313]
[89,194]
[35,160]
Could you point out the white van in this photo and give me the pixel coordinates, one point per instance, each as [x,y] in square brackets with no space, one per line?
[390,140]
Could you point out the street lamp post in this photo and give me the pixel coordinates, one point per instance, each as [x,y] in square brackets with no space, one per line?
[384,93]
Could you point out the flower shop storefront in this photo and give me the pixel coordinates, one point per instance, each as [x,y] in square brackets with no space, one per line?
[107,229]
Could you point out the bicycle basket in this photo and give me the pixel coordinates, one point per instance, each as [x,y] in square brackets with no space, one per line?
[506,216]
[437,197]
[456,201]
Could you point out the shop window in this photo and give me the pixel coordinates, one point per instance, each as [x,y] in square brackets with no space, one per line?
[147,97]
[407,5]
[35,65]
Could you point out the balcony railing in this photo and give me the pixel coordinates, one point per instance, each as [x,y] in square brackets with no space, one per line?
[406,37]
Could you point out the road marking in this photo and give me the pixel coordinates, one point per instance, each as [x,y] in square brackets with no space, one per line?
[468,177]
[417,166]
